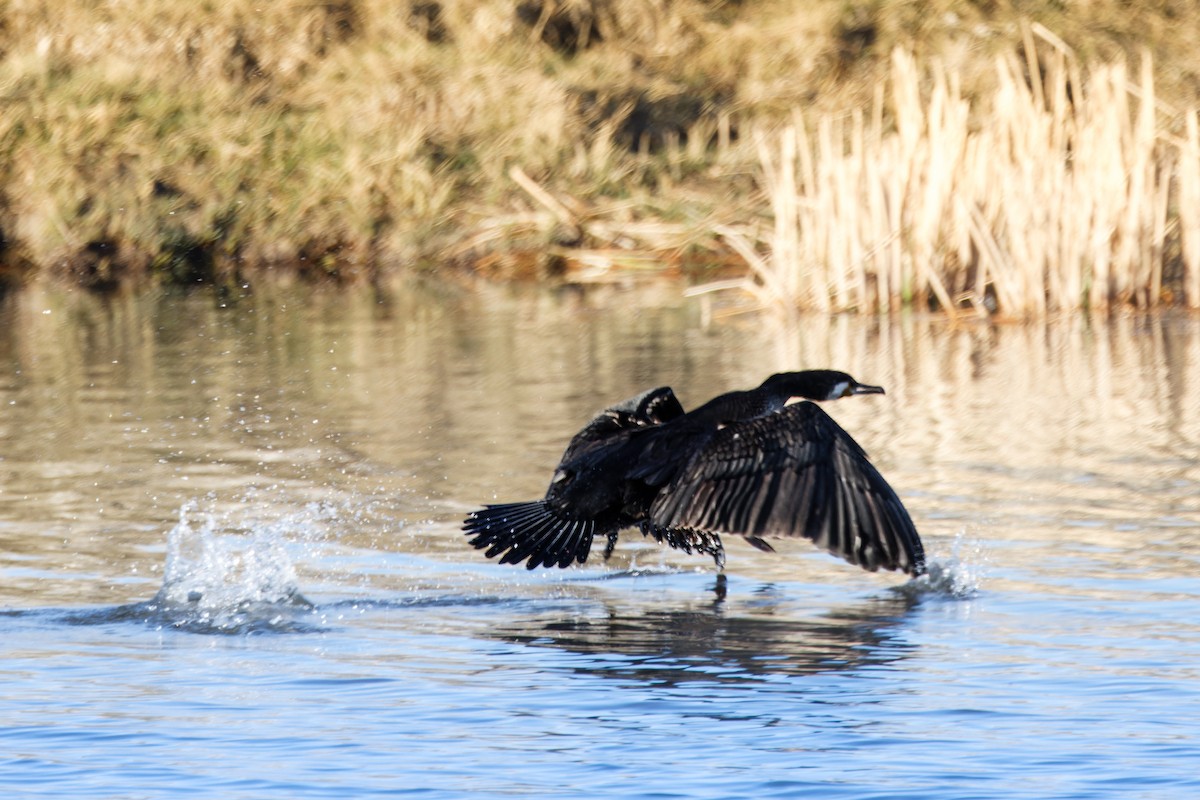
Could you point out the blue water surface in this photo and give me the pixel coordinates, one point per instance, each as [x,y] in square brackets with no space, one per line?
[231,567]
[628,685]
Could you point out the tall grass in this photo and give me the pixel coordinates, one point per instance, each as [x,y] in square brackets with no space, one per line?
[352,139]
[1189,204]
[1062,192]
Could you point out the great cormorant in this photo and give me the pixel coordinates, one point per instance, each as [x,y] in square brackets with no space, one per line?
[744,463]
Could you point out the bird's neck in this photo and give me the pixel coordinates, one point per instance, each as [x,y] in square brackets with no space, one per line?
[737,406]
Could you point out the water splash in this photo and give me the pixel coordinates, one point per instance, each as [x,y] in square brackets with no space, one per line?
[957,576]
[227,572]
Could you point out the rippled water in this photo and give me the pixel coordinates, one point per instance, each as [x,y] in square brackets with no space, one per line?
[230,564]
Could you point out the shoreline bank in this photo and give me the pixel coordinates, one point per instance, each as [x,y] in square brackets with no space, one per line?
[781,145]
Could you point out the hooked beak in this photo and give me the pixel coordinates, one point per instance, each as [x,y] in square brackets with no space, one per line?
[864,388]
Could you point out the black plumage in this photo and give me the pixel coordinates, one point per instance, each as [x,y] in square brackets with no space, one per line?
[744,463]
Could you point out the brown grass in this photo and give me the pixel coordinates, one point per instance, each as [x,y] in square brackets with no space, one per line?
[350,140]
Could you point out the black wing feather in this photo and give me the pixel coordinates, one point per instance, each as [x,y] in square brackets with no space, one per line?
[793,473]
[648,409]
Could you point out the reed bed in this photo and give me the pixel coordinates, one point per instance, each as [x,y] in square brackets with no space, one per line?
[354,140]
[1069,192]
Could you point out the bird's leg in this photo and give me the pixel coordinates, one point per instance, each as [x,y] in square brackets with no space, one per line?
[718,554]
[689,540]
[705,542]
[610,544]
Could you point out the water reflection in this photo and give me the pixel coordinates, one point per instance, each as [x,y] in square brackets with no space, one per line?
[344,439]
[118,411]
[708,642]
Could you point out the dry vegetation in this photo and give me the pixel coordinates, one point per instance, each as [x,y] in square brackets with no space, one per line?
[1068,192]
[348,140]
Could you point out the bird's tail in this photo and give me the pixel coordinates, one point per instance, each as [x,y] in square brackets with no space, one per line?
[530,531]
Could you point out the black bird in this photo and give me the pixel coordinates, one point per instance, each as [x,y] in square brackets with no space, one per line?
[745,463]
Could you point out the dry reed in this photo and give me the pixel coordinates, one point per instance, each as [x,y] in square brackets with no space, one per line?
[1189,200]
[1050,195]
[214,142]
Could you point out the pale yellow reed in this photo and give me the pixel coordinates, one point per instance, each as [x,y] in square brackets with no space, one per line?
[1041,197]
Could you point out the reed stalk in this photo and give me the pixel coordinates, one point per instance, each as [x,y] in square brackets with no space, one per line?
[1045,196]
[1189,198]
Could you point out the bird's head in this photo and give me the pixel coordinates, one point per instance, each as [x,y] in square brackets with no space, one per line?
[817,384]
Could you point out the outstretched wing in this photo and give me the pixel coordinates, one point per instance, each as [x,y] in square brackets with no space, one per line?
[652,407]
[793,473]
